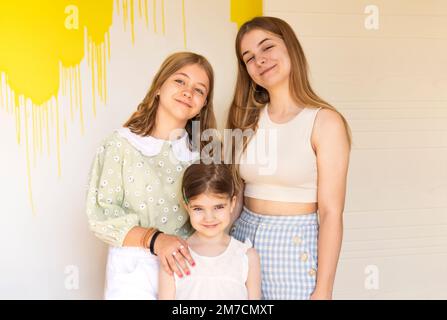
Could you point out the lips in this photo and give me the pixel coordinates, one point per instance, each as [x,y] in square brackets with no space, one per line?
[184,103]
[267,70]
[210,225]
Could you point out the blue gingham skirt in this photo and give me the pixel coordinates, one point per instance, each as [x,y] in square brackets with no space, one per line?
[287,246]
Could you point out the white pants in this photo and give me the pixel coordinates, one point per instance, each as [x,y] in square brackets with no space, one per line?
[132,274]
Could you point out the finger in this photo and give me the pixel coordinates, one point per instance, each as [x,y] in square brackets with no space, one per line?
[174,267]
[182,262]
[165,265]
[184,250]
[186,254]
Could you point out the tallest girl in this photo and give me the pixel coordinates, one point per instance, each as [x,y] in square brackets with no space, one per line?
[292,214]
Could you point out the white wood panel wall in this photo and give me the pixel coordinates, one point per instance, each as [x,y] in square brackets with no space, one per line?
[391,85]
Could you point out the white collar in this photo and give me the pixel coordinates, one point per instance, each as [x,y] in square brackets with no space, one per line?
[151,146]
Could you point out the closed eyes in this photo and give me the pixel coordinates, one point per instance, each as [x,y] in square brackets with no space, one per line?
[201,92]
[264,49]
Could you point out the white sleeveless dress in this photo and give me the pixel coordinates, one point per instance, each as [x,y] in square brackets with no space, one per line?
[221,277]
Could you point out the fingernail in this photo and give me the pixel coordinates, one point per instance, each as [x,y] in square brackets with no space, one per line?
[193,264]
[181,275]
[188,273]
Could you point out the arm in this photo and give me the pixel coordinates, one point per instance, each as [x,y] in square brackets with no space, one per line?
[254,275]
[164,246]
[166,286]
[237,210]
[332,149]
[115,223]
[109,220]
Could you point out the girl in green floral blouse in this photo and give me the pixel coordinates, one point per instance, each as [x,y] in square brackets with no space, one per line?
[133,201]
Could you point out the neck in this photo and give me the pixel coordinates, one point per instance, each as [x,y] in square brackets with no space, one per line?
[281,101]
[165,125]
[214,240]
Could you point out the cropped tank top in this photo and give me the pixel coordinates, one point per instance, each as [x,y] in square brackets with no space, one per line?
[279,163]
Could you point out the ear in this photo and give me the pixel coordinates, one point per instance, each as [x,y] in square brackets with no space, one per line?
[233,203]
[185,205]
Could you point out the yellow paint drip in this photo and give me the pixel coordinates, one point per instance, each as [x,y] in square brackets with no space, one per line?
[40,54]
[132,21]
[41,48]
[58,142]
[244,10]
[146,14]
[184,23]
[47,127]
[28,169]
[140,9]
[154,14]
[163,27]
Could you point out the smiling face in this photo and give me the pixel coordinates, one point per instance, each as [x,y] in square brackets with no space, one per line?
[266,58]
[210,213]
[184,93]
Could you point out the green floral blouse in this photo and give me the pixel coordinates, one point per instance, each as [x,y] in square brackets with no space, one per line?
[136,181]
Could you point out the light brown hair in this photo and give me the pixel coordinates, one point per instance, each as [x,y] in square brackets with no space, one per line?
[142,121]
[249,97]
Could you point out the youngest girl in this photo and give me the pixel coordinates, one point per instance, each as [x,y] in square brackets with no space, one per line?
[226,269]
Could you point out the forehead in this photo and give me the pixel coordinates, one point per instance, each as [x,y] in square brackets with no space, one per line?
[208,199]
[195,72]
[252,38]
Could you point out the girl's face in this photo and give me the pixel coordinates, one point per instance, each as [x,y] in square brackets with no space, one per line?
[184,93]
[210,213]
[266,58]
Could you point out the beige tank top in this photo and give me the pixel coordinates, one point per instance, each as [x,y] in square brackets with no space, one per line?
[279,163]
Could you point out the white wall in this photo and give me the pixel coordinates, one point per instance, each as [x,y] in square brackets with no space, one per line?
[391,84]
[37,249]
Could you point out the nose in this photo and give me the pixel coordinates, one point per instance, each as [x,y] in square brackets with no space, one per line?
[209,215]
[187,93]
[261,60]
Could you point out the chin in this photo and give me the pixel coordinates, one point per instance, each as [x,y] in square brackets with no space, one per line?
[273,79]
[211,232]
[182,115]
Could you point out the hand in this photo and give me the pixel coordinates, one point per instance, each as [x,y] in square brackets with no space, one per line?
[321,295]
[173,250]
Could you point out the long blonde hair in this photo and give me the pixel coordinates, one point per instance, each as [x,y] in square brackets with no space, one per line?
[142,121]
[249,97]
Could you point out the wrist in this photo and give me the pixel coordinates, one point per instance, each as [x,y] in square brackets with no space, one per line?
[152,242]
[147,236]
[317,295]
[323,290]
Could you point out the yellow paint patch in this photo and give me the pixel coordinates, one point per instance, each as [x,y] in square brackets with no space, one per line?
[42,45]
[244,10]
[41,48]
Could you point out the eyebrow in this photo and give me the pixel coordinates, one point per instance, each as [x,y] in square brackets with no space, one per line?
[184,74]
[200,206]
[261,42]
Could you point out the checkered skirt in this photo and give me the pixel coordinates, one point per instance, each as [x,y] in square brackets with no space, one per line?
[287,246]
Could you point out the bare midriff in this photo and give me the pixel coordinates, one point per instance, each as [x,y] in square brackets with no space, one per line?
[277,208]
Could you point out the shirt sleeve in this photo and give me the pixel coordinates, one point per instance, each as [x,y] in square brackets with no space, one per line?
[109,220]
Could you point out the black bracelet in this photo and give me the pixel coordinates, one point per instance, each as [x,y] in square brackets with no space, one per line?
[151,245]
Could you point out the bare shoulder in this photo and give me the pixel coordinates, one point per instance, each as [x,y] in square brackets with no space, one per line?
[327,117]
[252,255]
[329,125]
